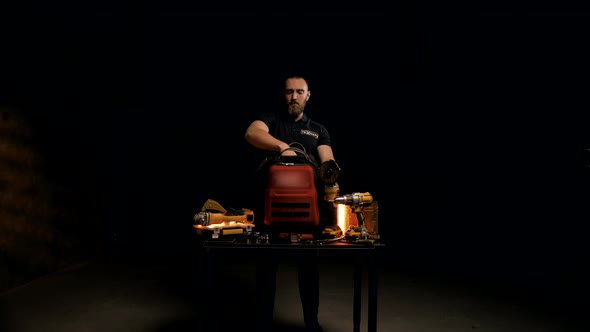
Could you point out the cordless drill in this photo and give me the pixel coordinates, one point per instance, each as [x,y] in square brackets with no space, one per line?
[356,201]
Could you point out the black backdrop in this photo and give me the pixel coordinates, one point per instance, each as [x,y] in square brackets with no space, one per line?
[466,125]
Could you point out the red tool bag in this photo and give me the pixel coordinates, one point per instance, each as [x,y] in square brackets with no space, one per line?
[291,196]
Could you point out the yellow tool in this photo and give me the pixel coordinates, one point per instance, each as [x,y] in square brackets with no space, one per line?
[356,201]
[213,214]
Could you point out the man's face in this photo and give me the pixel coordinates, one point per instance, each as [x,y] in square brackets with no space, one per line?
[296,95]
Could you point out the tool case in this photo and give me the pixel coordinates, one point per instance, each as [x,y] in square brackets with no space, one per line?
[291,195]
[291,198]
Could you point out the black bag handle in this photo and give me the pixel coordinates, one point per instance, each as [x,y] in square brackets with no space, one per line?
[298,148]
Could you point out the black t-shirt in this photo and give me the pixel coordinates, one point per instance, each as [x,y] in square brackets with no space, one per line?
[307,132]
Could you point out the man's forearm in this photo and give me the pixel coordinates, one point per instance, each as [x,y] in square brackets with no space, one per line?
[263,140]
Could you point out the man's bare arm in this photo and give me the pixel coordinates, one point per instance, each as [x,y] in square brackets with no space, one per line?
[325,153]
[257,134]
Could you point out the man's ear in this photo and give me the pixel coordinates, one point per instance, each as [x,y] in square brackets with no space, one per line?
[308,94]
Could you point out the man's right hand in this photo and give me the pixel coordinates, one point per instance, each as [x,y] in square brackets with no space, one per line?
[288,152]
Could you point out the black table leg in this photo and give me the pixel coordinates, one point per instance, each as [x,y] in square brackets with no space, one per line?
[373,276]
[209,279]
[358,278]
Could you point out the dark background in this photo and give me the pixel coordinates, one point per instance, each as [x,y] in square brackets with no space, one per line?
[466,123]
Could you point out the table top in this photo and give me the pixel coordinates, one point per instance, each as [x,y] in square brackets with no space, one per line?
[338,245]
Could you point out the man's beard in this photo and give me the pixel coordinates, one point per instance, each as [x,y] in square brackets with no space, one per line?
[295,109]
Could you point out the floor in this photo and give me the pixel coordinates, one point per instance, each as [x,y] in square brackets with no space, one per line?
[131,293]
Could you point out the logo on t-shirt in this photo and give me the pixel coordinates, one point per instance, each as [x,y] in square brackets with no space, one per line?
[309,133]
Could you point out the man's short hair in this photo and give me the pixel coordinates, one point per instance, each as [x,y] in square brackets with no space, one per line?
[297,74]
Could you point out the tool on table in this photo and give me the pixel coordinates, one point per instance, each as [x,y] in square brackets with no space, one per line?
[357,201]
[220,221]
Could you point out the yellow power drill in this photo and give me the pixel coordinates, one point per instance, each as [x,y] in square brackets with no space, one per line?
[357,201]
